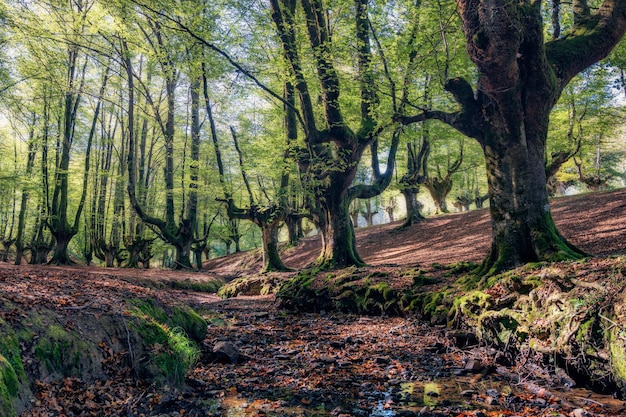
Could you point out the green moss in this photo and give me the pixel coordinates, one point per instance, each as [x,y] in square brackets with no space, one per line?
[378,299]
[171,353]
[9,388]
[618,355]
[296,294]
[468,307]
[460,268]
[170,337]
[433,305]
[212,286]
[497,327]
[60,351]
[180,316]
[10,349]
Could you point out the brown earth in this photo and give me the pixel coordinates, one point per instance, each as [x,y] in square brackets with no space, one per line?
[323,364]
[595,222]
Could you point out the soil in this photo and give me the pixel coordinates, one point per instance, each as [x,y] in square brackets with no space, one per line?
[594,222]
[316,364]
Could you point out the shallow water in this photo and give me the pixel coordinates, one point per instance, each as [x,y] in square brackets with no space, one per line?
[459,392]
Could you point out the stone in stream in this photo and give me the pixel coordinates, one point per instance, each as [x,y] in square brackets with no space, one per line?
[473,365]
[226,352]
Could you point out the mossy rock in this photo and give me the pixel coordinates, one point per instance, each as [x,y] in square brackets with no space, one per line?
[166,340]
[165,355]
[469,306]
[62,352]
[298,294]
[499,327]
[253,285]
[9,389]
[374,299]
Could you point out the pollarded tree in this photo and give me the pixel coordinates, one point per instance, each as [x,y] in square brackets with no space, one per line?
[167,50]
[521,77]
[329,161]
[53,34]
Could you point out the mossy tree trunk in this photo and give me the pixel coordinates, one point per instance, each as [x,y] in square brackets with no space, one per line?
[521,78]
[338,239]
[413,206]
[21,220]
[439,188]
[337,145]
[271,255]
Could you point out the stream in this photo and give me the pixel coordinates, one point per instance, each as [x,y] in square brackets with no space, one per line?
[453,395]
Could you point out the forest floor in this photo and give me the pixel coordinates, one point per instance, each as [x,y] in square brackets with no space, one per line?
[315,364]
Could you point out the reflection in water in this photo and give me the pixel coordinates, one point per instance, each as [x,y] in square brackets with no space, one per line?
[459,392]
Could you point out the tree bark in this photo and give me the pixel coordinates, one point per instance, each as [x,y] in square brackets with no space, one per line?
[413,207]
[521,78]
[338,239]
[21,221]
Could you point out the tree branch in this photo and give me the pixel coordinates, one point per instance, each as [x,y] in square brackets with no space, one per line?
[220,52]
[590,40]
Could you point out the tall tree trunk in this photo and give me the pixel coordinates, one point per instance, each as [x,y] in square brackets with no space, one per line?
[521,78]
[21,221]
[169,231]
[59,223]
[338,239]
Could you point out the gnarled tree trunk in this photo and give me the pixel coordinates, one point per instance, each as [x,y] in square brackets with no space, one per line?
[521,78]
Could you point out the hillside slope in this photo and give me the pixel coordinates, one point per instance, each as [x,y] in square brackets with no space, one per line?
[595,222]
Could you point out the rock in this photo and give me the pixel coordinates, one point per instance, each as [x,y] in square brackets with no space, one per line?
[226,352]
[493,393]
[473,365]
[579,412]
[565,379]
